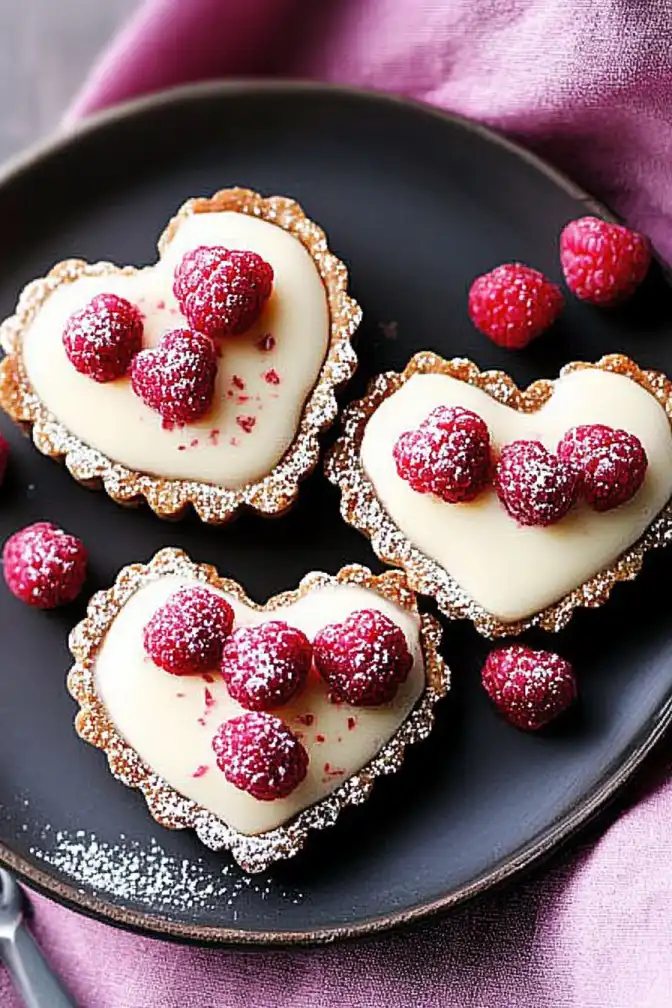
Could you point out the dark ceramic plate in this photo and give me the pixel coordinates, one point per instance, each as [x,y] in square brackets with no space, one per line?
[417,203]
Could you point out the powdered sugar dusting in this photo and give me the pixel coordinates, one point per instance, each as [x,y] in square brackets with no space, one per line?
[144,874]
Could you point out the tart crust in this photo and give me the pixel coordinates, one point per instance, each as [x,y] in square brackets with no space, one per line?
[169,807]
[169,498]
[361,507]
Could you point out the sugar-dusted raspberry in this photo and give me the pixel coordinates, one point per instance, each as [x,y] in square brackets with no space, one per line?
[102,338]
[186,634]
[363,660]
[264,666]
[259,754]
[4,457]
[530,688]
[222,292]
[612,463]
[535,486]
[448,455]
[603,263]
[44,566]
[513,304]
[177,378]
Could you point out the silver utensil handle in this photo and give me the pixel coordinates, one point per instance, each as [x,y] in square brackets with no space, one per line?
[31,973]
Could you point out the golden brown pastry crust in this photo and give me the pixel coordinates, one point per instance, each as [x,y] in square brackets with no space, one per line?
[169,498]
[168,806]
[361,508]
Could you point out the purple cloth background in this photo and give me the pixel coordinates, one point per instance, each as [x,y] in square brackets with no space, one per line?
[587,83]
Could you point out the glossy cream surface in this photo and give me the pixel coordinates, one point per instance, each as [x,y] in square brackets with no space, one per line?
[259,393]
[170,720]
[512,571]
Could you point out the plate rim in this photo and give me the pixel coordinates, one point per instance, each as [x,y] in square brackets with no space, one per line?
[157,926]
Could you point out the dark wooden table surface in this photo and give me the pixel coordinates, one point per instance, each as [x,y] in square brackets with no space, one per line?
[46,49]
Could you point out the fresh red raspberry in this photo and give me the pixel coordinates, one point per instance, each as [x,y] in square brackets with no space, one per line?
[4,457]
[222,292]
[102,338]
[513,304]
[612,463]
[447,455]
[186,634]
[177,378]
[259,754]
[264,666]
[44,566]
[603,263]
[535,487]
[530,688]
[363,660]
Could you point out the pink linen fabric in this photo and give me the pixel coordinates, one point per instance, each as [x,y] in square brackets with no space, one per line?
[587,83]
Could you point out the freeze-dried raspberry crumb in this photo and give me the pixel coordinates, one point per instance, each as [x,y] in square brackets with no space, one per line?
[246,423]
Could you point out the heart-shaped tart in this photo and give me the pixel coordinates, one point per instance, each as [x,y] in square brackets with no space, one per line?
[510,507]
[331,682]
[100,364]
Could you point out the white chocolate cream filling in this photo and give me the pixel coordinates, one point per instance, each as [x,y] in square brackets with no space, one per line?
[259,394]
[170,720]
[514,572]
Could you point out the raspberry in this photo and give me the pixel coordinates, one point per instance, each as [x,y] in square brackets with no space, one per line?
[102,338]
[187,633]
[177,378]
[530,688]
[535,487]
[603,263]
[447,455]
[513,304]
[265,666]
[4,457]
[612,463]
[44,566]
[222,292]
[364,659]
[259,754]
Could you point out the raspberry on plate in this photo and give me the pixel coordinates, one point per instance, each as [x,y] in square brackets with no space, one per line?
[529,688]
[363,660]
[513,304]
[447,455]
[264,666]
[535,486]
[44,566]
[603,263]
[222,292]
[259,754]
[102,338]
[177,378]
[186,635]
[4,457]
[612,463]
